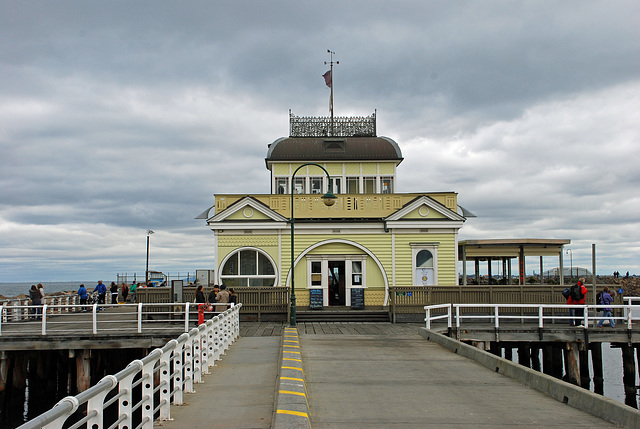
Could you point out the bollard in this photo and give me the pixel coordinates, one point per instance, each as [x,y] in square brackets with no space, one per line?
[200,314]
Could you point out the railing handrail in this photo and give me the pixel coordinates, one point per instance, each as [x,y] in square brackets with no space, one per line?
[454,312]
[61,314]
[193,352]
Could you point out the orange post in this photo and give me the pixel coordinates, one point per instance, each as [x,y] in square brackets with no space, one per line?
[200,314]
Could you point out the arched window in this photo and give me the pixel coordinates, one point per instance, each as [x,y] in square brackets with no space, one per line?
[248,267]
[424,259]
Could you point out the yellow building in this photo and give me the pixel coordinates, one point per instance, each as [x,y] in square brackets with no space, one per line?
[372,238]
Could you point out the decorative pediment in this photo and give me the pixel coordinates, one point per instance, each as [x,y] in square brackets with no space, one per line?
[247,209]
[425,208]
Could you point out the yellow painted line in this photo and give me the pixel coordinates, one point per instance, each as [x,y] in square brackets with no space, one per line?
[292,378]
[289,392]
[294,413]
[297,360]
[292,367]
[288,345]
[289,351]
[290,336]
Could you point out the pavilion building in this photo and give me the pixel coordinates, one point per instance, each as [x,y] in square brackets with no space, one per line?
[372,238]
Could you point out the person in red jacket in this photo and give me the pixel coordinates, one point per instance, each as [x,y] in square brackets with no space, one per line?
[576,297]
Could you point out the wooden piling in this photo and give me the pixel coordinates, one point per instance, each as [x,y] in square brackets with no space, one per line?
[535,358]
[524,354]
[557,368]
[572,365]
[585,378]
[629,376]
[508,353]
[83,369]
[596,362]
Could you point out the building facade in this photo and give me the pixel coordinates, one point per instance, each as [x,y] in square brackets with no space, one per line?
[371,238]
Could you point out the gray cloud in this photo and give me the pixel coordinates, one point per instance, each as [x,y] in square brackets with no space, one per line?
[116,117]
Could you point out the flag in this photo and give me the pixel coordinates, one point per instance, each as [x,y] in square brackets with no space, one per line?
[327,78]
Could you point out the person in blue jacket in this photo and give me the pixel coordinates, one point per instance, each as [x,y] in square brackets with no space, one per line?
[82,292]
[101,290]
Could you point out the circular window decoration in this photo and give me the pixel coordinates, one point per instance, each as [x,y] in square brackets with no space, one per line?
[423,211]
[247,212]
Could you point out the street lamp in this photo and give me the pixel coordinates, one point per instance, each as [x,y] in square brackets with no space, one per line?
[329,199]
[570,252]
[146,275]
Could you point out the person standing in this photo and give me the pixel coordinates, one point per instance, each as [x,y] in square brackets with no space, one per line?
[606,299]
[114,292]
[101,290]
[82,293]
[132,289]
[36,298]
[200,299]
[233,296]
[576,297]
[125,292]
[222,298]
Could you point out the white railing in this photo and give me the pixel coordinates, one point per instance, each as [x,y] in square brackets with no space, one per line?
[73,319]
[533,313]
[175,367]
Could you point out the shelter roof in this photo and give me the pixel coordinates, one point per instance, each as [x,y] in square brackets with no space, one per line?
[510,248]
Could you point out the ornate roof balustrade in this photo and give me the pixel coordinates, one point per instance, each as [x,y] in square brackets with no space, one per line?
[362,206]
[310,126]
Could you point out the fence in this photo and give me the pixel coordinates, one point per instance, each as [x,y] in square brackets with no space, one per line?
[411,300]
[98,318]
[261,303]
[456,314]
[146,388]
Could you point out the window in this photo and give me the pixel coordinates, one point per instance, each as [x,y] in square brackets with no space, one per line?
[282,185]
[424,259]
[337,185]
[352,185]
[248,267]
[369,185]
[299,185]
[425,263]
[356,273]
[386,185]
[316,273]
[316,185]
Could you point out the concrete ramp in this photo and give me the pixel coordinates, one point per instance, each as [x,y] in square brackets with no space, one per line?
[383,381]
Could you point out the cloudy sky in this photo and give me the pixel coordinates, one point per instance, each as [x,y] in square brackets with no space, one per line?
[117,117]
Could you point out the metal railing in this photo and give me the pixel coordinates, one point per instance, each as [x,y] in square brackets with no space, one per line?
[158,380]
[101,318]
[455,314]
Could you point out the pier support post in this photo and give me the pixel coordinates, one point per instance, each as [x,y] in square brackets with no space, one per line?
[629,375]
[585,379]
[508,353]
[83,370]
[572,365]
[524,354]
[596,362]
[556,369]
[535,358]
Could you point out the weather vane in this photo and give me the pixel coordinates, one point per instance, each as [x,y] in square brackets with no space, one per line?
[328,79]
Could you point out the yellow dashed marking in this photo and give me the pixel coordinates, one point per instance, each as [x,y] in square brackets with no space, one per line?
[296,360]
[293,413]
[292,367]
[289,392]
[291,378]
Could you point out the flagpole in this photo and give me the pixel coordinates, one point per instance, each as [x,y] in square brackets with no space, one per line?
[331,86]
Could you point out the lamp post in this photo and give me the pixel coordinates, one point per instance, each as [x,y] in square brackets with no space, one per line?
[570,252]
[329,199]
[146,275]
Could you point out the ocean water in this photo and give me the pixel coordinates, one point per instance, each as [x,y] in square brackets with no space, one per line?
[11,290]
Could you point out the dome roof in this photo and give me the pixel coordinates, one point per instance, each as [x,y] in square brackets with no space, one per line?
[306,149]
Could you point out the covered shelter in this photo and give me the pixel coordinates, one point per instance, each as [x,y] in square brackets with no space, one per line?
[507,249]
